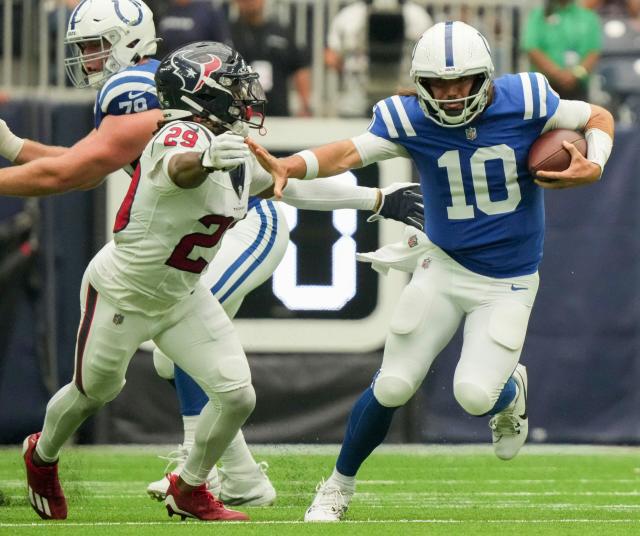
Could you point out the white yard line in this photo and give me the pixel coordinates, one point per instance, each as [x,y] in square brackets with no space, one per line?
[419,449]
[346,522]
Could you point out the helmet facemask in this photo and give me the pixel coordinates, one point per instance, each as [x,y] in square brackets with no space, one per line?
[472,105]
[77,62]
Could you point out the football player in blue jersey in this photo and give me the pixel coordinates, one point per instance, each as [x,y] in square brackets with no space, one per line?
[469,136]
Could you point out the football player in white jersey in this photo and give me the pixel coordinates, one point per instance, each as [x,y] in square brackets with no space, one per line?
[192,183]
[109,48]
[469,136]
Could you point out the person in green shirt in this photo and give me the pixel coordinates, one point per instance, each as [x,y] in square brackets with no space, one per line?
[563,41]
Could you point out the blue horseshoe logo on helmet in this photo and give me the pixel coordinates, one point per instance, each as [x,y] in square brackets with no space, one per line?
[116,6]
[73,20]
[136,3]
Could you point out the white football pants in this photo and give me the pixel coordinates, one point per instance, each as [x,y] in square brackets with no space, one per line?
[198,336]
[440,295]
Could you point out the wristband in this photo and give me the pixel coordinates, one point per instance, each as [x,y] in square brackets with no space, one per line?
[311,161]
[208,169]
[599,145]
[11,146]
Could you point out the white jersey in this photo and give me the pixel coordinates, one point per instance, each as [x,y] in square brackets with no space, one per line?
[165,236]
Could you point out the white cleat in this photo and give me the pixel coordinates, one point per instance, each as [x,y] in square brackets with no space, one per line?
[158,490]
[330,503]
[255,490]
[510,427]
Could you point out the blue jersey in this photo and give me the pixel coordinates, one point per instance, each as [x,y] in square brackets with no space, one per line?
[130,91]
[481,204]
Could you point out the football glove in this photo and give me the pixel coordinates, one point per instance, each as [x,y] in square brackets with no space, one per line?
[226,152]
[402,201]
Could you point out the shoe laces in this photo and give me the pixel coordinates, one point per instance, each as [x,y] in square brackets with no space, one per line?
[50,483]
[201,494]
[329,496]
[505,423]
[175,459]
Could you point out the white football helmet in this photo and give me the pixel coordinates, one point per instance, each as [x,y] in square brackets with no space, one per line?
[117,32]
[451,50]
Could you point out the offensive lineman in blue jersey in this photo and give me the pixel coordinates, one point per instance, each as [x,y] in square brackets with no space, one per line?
[109,45]
[469,137]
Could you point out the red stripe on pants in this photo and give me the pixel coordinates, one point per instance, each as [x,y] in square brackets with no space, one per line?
[83,333]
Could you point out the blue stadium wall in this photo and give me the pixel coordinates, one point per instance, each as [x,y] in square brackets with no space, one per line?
[582,349]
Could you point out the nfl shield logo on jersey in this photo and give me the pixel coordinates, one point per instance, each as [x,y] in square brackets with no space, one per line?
[118,319]
[471,133]
[412,242]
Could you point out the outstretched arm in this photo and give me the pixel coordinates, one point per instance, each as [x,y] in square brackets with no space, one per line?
[119,141]
[326,160]
[399,201]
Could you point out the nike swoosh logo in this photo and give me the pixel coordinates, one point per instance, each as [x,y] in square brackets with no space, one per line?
[133,95]
[515,287]
[525,414]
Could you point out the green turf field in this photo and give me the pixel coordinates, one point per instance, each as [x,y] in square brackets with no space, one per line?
[403,490]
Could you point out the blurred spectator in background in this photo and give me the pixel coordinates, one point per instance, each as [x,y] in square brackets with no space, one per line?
[369,43]
[58,14]
[186,21]
[272,51]
[563,41]
[614,8]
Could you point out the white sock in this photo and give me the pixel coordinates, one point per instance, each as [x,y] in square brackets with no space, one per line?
[347,483]
[218,424]
[237,460]
[66,411]
[189,423]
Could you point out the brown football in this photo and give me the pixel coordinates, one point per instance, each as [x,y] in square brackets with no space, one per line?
[548,154]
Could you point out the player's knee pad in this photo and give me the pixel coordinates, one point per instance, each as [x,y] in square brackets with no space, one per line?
[101,381]
[239,402]
[102,392]
[163,365]
[392,391]
[473,398]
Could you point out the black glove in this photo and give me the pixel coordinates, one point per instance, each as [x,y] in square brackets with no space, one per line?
[402,201]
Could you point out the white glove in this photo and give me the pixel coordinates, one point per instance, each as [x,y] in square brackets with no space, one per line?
[226,152]
[10,144]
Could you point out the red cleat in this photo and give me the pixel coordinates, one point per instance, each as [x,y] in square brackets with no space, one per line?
[200,504]
[45,493]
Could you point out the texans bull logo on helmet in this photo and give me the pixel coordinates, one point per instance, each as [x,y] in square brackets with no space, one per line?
[195,68]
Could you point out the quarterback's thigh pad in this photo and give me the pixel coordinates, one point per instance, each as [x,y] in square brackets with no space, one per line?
[410,310]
